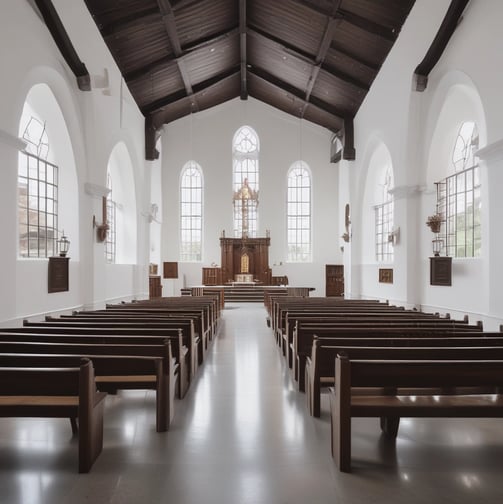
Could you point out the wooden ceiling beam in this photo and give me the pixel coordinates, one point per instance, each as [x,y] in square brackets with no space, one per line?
[297,93]
[358,59]
[437,48]
[306,58]
[165,101]
[120,24]
[382,31]
[160,63]
[326,40]
[365,24]
[65,46]
[242,48]
[168,18]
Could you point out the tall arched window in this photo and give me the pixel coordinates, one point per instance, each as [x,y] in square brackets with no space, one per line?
[245,181]
[384,221]
[459,199]
[191,212]
[37,191]
[299,213]
[111,237]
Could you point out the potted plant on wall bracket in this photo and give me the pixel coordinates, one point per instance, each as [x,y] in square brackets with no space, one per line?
[434,222]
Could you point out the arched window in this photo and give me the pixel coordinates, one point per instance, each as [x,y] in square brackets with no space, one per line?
[111,237]
[459,199]
[299,213]
[37,191]
[121,206]
[191,212]
[245,154]
[384,220]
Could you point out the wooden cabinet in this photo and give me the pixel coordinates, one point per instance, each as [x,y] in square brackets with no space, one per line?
[212,276]
[155,287]
[334,280]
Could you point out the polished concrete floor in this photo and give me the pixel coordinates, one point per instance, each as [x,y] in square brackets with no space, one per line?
[242,435]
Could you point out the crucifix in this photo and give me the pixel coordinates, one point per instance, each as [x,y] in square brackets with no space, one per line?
[245,199]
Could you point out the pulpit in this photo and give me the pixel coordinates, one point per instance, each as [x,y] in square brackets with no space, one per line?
[245,260]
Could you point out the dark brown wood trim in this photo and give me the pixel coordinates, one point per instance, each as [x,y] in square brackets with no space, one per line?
[65,46]
[348,150]
[307,58]
[369,26]
[437,47]
[286,87]
[151,107]
[242,48]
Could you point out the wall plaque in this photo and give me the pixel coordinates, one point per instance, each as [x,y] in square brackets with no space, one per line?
[441,270]
[170,270]
[58,274]
[386,275]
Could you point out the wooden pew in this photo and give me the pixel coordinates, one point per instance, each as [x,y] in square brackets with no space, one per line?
[320,370]
[354,374]
[109,336]
[196,345]
[65,390]
[303,339]
[281,305]
[116,366]
[338,321]
[205,308]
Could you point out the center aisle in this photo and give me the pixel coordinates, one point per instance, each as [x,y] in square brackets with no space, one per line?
[245,435]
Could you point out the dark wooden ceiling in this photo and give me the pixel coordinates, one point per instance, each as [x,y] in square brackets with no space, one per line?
[314,59]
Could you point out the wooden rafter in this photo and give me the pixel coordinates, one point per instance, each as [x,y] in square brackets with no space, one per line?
[307,58]
[179,95]
[145,70]
[384,32]
[298,93]
[65,46]
[326,40]
[357,59]
[168,18]
[242,47]
[437,48]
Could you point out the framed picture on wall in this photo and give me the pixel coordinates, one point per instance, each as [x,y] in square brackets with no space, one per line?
[170,270]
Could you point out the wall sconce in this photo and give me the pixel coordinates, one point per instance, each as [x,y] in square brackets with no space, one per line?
[63,245]
[102,228]
[394,236]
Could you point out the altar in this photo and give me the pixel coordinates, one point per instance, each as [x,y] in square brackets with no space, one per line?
[243,278]
[245,260]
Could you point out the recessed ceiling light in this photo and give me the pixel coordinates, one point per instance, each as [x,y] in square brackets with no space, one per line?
[212,49]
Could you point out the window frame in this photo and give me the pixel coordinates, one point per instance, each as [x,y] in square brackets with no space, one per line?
[245,153]
[462,188]
[37,206]
[299,251]
[191,250]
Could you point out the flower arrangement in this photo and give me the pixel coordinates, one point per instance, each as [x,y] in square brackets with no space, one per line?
[434,222]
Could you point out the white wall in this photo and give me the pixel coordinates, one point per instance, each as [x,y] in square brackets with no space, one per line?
[96,121]
[279,134]
[419,130]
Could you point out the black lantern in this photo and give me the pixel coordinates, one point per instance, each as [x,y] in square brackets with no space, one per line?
[63,245]
[437,244]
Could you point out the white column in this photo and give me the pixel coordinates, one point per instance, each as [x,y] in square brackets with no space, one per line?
[10,146]
[491,158]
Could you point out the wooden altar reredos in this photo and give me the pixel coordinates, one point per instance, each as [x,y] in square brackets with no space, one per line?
[256,262]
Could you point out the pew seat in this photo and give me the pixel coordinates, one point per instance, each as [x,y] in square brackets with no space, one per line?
[385,377]
[64,391]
